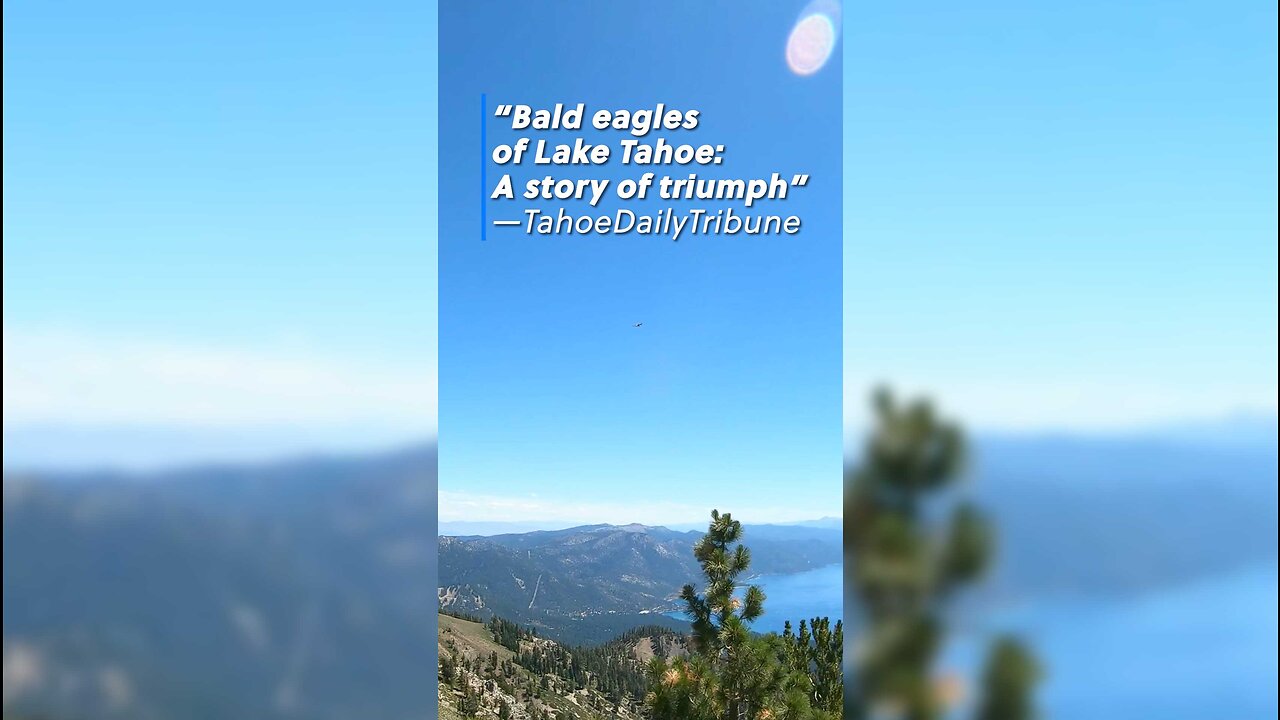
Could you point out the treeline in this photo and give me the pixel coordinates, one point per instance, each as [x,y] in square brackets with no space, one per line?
[817,650]
[663,641]
[509,634]
[469,617]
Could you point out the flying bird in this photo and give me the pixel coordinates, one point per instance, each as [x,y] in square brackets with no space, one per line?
[637,324]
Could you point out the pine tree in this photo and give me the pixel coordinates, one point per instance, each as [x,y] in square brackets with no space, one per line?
[910,547]
[470,705]
[733,674]
[825,656]
[1008,682]
[448,668]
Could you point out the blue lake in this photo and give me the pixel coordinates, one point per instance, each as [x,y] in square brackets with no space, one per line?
[816,593]
[801,596]
[1204,650]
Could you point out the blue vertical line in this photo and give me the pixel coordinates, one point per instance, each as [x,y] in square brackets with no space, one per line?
[484,172]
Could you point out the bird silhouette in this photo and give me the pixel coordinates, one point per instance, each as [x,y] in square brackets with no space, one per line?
[637,324]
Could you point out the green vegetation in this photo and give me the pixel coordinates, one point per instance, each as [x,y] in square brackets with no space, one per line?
[496,668]
[1007,683]
[722,670]
[731,673]
[911,547]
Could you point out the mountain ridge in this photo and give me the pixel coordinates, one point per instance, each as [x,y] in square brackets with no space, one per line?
[579,583]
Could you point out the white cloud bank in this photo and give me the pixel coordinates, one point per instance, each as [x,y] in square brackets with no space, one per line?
[74,378]
[461,506]
[1103,405]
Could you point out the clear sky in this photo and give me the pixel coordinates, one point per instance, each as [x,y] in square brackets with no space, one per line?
[222,218]
[551,402]
[219,227]
[1062,215]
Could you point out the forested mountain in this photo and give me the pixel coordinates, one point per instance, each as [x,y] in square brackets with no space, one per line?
[299,590]
[585,584]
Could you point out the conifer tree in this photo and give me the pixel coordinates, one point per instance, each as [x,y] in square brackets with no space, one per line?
[909,548]
[716,612]
[470,705]
[731,674]
[1008,682]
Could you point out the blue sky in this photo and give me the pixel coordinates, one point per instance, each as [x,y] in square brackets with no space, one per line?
[219,224]
[551,402]
[1062,216]
[221,221]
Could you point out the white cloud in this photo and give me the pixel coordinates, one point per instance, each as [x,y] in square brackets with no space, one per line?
[77,378]
[1095,405]
[461,506]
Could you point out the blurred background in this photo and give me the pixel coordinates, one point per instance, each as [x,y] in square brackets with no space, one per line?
[219,360]
[1060,228]
[219,349]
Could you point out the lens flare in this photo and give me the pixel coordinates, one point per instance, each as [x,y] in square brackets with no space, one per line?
[813,39]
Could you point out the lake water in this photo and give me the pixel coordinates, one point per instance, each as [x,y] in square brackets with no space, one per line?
[801,596]
[815,593]
[1205,650]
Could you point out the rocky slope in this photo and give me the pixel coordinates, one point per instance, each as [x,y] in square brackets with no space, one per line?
[494,669]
